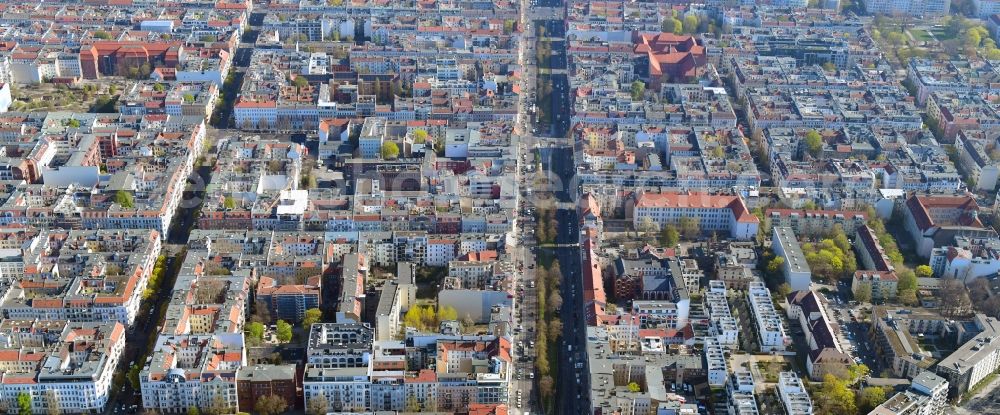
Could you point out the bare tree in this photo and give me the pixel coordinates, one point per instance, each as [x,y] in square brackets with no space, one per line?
[318,405]
[954,298]
[547,385]
[52,403]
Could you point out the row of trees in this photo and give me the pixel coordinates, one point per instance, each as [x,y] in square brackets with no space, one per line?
[427,318]
[545,225]
[266,405]
[689,24]
[548,327]
[669,234]
[155,277]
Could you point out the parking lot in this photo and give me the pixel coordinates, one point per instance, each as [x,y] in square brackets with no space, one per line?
[850,325]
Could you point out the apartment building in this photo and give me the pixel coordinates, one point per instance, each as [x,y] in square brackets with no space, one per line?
[816,222]
[917,8]
[715,363]
[770,333]
[927,395]
[896,332]
[257,381]
[741,391]
[82,275]
[338,366]
[870,251]
[67,363]
[974,360]
[794,397]
[966,258]
[795,268]
[193,371]
[722,324]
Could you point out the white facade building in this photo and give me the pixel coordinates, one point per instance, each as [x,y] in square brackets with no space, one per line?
[794,397]
[795,268]
[713,212]
[770,334]
[723,326]
[715,362]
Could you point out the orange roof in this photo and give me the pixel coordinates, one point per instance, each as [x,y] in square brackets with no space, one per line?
[697,200]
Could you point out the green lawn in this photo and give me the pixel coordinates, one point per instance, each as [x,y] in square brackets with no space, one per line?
[939,33]
[921,35]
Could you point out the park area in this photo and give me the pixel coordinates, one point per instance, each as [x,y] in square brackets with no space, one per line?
[951,37]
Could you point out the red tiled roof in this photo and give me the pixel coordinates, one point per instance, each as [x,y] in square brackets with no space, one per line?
[697,200]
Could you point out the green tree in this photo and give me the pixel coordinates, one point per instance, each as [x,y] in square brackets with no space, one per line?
[158,87]
[669,235]
[229,203]
[270,405]
[835,397]
[871,397]
[412,404]
[672,25]
[300,82]
[907,280]
[774,266]
[100,34]
[689,227]
[447,313]
[283,331]
[133,376]
[255,330]
[718,152]
[924,271]
[908,297]
[412,318]
[419,136]
[23,404]
[863,293]
[784,289]
[633,387]
[814,143]
[124,199]
[690,24]
[73,123]
[638,88]
[193,410]
[312,316]
[390,150]
[857,372]
[428,317]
